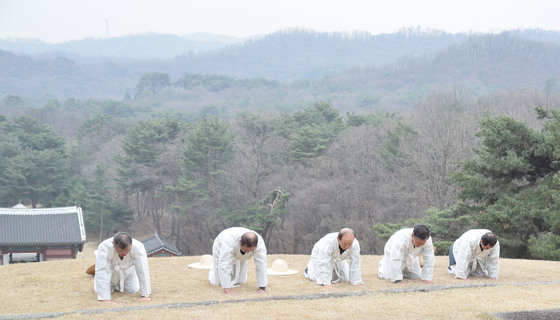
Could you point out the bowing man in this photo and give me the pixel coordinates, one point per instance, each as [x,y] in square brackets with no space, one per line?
[400,258]
[232,249]
[477,253]
[121,264]
[328,263]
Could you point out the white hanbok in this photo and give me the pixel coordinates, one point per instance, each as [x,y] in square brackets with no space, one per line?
[230,265]
[328,265]
[471,259]
[400,258]
[127,275]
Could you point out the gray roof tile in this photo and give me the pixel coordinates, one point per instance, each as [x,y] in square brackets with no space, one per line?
[157,243]
[44,226]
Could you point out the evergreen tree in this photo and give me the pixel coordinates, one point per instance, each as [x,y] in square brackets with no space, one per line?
[208,149]
[34,163]
[149,166]
[153,82]
[261,216]
[101,211]
[509,182]
[317,128]
[510,187]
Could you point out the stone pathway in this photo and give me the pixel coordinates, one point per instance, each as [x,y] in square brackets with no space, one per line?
[185,305]
[549,314]
[534,314]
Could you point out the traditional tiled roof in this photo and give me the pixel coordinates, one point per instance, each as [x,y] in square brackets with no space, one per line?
[156,243]
[44,226]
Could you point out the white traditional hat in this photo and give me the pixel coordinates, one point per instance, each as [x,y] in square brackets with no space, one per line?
[206,262]
[280,268]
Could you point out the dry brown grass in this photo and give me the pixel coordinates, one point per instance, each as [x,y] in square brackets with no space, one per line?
[63,286]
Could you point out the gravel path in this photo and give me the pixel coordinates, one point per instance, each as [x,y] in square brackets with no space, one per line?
[530,315]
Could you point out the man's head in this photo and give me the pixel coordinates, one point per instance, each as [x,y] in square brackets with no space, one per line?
[122,242]
[248,241]
[345,238]
[488,240]
[420,235]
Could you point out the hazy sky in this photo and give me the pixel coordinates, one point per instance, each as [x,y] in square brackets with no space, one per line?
[63,20]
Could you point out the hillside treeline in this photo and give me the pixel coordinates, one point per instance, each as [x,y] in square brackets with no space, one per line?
[292,176]
[358,72]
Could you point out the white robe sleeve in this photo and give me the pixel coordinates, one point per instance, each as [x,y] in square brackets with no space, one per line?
[355,267]
[141,265]
[396,260]
[463,253]
[226,261]
[493,262]
[103,271]
[322,256]
[260,261]
[429,260]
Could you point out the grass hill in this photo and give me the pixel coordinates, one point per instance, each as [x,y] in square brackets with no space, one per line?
[61,289]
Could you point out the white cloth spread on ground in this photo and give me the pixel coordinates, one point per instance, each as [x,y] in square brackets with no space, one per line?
[471,259]
[328,265]
[230,265]
[400,258]
[127,275]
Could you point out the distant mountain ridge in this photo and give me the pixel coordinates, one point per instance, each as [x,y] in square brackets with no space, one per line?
[143,46]
[166,46]
[305,54]
[410,60]
[483,63]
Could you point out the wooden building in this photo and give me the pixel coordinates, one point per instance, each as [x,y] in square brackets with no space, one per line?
[157,246]
[50,233]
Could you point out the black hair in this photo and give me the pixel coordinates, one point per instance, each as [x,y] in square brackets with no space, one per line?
[421,231]
[249,240]
[489,239]
[122,240]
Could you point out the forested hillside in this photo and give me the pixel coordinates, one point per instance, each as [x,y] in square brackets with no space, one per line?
[283,56]
[452,138]
[358,72]
[291,176]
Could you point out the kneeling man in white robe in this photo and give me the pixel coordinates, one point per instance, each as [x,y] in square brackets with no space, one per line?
[400,258]
[121,264]
[328,259]
[232,249]
[477,253]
